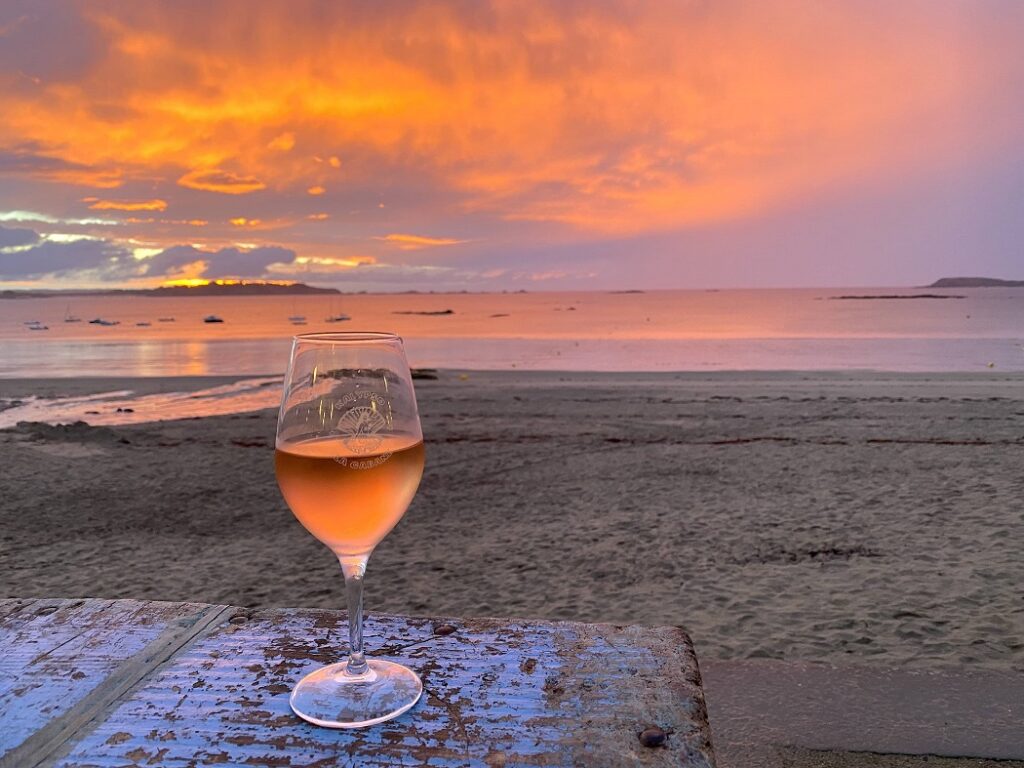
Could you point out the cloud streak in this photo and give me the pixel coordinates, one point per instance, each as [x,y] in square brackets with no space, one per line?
[216,180]
[29,161]
[415,242]
[126,205]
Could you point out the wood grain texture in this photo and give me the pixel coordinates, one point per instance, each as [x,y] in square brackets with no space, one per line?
[497,693]
[64,662]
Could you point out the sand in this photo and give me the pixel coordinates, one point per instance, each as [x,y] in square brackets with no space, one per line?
[865,518]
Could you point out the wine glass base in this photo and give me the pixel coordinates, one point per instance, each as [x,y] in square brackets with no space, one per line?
[331,698]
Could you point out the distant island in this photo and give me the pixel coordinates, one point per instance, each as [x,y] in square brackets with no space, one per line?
[975,282]
[212,288]
[899,296]
[237,289]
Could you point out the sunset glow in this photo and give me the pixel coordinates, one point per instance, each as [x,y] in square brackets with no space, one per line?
[437,145]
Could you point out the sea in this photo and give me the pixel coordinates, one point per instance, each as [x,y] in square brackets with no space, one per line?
[973,329]
[804,329]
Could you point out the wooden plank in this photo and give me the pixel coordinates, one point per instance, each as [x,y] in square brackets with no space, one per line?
[497,693]
[65,661]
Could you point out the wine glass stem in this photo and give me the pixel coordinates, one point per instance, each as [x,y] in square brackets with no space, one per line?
[354,568]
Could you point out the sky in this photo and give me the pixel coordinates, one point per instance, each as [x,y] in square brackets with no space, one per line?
[511,145]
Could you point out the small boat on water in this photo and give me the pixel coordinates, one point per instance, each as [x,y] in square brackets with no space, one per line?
[336,316]
[69,318]
[295,318]
[165,319]
[101,321]
[37,326]
[143,324]
[213,319]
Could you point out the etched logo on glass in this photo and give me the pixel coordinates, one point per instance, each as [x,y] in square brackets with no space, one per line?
[359,427]
[360,424]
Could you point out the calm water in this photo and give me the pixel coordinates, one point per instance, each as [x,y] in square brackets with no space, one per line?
[652,331]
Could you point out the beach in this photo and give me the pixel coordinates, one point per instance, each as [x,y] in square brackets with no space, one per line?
[843,517]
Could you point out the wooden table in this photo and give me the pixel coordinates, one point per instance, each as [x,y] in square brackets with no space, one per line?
[134,683]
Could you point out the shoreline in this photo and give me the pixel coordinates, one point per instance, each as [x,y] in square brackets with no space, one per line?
[743,374]
[119,401]
[114,400]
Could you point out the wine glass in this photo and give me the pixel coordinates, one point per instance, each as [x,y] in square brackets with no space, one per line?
[349,458]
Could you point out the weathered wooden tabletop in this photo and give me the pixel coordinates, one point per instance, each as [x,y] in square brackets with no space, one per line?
[132,683]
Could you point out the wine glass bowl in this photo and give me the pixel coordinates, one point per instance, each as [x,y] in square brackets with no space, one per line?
[349,458]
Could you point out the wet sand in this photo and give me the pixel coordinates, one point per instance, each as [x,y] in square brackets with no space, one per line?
[868,518]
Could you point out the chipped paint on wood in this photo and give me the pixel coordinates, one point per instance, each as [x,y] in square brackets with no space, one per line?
[496,693]
[55,653]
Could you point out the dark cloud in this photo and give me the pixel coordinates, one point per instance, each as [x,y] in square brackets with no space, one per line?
[114,262]
[47,41]
[227,262]
[31,158]
[11,237]
[51,258]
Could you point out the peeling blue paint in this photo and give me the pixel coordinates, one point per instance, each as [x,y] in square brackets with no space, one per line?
[53,653]
[496,693]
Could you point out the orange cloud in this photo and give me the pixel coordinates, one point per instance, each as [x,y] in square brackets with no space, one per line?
[283,143]
[683,113]
[214,180]
[191,271]
[318,216]
[327,261]
[321,264]
[415,242]
[127,205]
